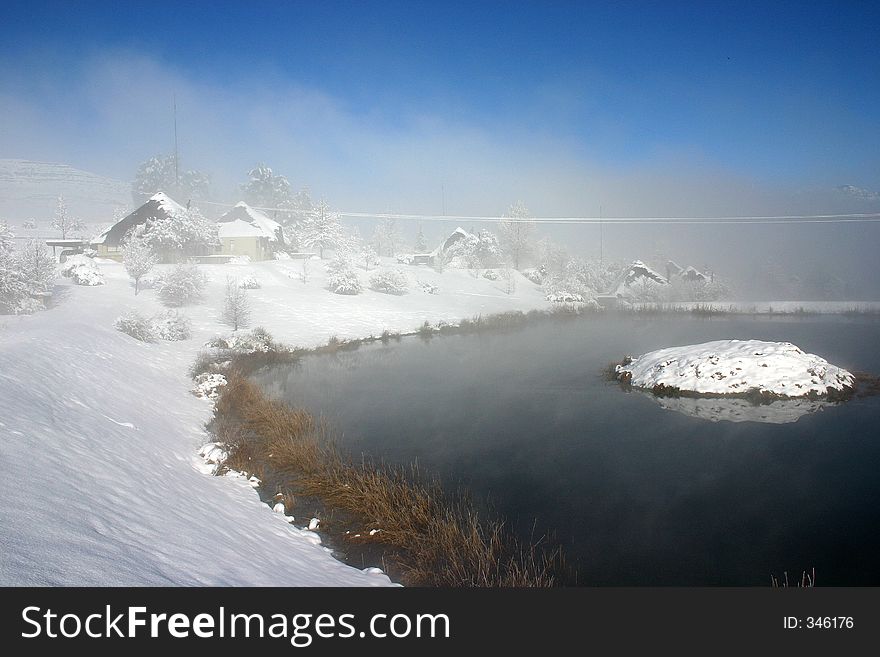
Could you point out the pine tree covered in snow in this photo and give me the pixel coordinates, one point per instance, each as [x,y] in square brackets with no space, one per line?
[13,288]
[37,267]
[160,174]
[421,244]
[64,221]
[341,276]
[516,234]
[138,257]
[321,230]
[236,305]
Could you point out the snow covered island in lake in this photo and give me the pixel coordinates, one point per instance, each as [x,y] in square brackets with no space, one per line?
[755,369]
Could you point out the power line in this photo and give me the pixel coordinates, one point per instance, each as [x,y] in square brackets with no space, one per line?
[872,217]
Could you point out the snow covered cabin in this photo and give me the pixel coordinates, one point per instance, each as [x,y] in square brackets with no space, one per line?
[637,273]
[159,206]
[244,231]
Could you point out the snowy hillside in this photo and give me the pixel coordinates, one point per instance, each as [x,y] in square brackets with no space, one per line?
[30,190]
[99,434]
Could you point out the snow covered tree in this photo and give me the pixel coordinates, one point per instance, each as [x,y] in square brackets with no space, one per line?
[421,244]
[516,233]
[236,305]
[37,267]
[266,189]
[6,237]
[321,229]
[187,233]
[488,250]
[161,174]
[138,257]
[368,256]
[29,224]
[64,221]
[387,237]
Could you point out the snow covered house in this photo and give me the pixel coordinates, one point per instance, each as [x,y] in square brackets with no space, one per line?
[637,275]
[692,275]
[160,206]
[244,231]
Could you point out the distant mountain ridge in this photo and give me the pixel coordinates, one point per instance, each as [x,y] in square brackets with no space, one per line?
[30,189]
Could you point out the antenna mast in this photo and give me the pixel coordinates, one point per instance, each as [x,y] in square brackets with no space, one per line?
[176,156]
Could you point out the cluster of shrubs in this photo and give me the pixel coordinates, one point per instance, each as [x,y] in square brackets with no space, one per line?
[257,340]
[168,325]
[249,282]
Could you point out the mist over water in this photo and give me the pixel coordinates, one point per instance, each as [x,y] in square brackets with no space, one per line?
[635,493]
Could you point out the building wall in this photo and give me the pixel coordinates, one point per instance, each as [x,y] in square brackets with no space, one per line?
[256,248]
[110,252]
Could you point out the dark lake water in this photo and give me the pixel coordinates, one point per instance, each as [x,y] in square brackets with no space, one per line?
[637,494]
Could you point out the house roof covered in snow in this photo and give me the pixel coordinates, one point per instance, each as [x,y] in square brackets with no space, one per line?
[158,206]
[270,228]
[692,274]
[637,271]
[456,235]
[238,228]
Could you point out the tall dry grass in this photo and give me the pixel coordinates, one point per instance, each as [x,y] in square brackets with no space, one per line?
[432,539]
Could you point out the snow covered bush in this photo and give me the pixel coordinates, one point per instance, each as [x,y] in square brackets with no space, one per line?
[428,288]
[257,340]
[29,224]
[249,282]
[565,297]
[536,276]
[172,326]
[490,274]
[392,281]
[208,385]
[82,270]
[405,258]
[136,325]
[342,278]
[183,285]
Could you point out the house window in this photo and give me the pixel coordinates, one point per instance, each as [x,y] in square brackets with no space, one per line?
[232,245]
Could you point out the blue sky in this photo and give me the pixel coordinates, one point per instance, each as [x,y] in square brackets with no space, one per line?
[585,99]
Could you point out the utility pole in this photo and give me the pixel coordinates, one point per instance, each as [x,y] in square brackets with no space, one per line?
[601,236]
[176,155]
[443,197]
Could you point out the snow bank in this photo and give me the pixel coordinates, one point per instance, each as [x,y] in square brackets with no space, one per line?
[737,367]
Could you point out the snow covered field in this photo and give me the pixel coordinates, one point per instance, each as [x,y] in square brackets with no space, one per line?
[99,434]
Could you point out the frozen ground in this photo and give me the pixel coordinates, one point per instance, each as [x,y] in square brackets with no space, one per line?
[102,483]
